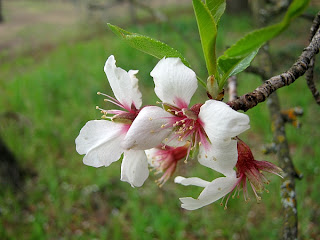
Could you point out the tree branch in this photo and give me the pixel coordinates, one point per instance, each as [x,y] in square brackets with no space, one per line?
[309,74]
[299,68]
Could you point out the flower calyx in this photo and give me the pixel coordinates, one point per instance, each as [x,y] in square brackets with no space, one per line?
[252,170]
[213,90]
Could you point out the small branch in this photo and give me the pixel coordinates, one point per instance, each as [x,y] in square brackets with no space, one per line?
[232,88]
[315,26]
[261,93]
[309,74]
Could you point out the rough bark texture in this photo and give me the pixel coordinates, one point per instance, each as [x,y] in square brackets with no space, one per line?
[298,69]
[309,74]
[288,193]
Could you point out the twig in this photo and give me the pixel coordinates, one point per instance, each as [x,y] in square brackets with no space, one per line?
[232,87]
[261,93]
[315,26]
[309,74]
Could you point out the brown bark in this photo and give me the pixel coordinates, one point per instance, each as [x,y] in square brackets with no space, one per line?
[309,74]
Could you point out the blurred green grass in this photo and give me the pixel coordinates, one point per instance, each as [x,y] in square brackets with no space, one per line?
[55,95]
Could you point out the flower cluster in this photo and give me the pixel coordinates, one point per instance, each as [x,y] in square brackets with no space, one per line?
[161,136]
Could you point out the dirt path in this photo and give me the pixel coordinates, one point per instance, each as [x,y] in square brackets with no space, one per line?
[31,25]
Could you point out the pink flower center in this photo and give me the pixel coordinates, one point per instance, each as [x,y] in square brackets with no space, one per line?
[187,125]
[165,160]
[250,169]
[125,115]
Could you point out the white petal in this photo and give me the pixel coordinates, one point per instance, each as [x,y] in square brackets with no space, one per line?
[174,82]
[134,168]
[222,156]
[213,192]
[145,131]
[152,155]
[191,181]
[98,139]
[124,84]
[222,122]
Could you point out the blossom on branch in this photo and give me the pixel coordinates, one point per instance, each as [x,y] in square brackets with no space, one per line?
[200,125]
[223,157]
[100,140]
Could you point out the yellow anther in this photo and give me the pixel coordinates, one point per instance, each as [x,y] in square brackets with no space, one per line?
[200,143]
[206,156]
[150,118]
[97,107]
[182,121]
[152,131]
[98,93]
[190,128]
[166,139]
[163,125]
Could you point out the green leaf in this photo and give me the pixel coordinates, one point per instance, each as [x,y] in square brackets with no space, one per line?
[252,41]
[233,65]
[216,8]
[148,45]
[257,38]
[295,9]
[208,33]
[243,51]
